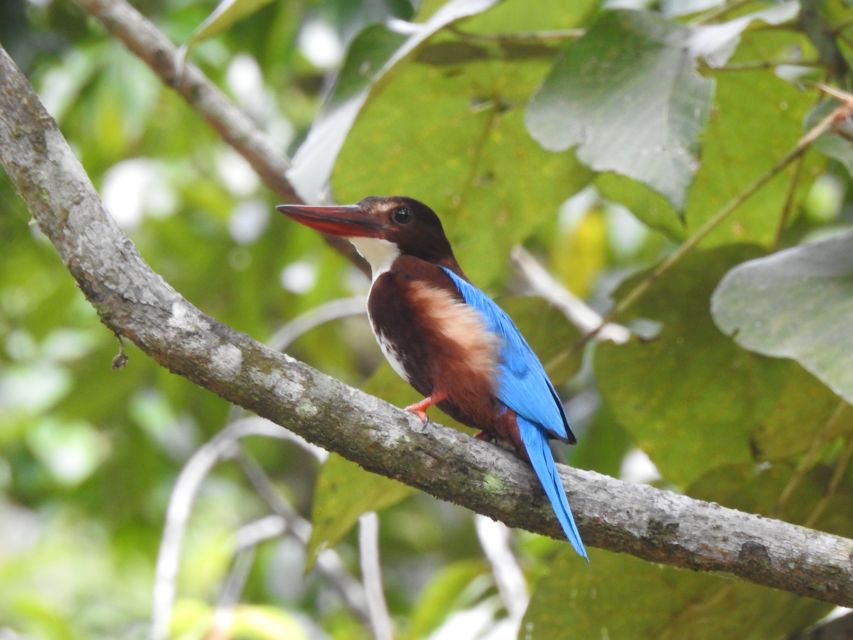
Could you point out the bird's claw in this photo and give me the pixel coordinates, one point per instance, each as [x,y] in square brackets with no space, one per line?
[422,416]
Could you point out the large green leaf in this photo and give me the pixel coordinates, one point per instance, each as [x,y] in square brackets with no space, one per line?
[459,143]
[344,491]
[628,96]
[795,304]
[373,57]
[618,596]
[690,397]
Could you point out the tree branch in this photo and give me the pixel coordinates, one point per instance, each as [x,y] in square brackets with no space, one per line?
[236,128]
[131,299]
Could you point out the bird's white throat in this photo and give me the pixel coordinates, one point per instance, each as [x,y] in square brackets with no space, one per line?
[379,253]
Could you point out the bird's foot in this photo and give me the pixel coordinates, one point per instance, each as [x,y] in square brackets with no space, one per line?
[420,408]
[488,436]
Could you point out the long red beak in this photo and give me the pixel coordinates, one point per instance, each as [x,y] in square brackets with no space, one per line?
[348,220]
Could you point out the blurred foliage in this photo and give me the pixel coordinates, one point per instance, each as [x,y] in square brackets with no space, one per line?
[671,121]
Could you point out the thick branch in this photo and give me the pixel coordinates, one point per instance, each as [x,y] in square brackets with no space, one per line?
[131,299]
[235,127]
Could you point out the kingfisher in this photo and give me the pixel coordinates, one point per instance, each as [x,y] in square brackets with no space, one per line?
[447,338]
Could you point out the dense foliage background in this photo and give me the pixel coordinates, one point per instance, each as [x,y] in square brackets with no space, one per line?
[604,139]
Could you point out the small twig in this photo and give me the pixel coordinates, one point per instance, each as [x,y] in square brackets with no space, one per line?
[143,39]
[836,93]
[120,359]
[789,203]
[834,627]
[328,563]
[181,501]
[809,460]
[333,310]
[720,12]
[549,35]
[494,539]
[758,65]
[838,115]
[576,310]
[368,549]
[837,475]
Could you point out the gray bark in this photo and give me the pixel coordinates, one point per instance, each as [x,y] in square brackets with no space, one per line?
[133,301]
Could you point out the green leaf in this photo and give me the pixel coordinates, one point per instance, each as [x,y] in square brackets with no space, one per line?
[806,409]
[618,596]
[690,398]
[372,56]
[226,14]
[756,121]
[344,491]
[795,304]
[463,150]
[628,96]
[443,594]
[460,145]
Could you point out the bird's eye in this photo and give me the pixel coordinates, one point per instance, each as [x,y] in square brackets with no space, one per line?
[402,215]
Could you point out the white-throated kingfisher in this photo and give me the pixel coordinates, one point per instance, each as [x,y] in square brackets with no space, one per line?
[447,338]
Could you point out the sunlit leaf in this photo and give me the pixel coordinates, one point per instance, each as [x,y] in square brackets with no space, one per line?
[795,304]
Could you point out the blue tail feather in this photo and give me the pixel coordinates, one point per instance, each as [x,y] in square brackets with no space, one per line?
[536,443]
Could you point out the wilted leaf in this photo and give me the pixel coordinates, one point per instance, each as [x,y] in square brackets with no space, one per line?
[690,398]
[628,96]
[795,304]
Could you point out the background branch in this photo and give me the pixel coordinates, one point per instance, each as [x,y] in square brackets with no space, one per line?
[236,128]
[133,300]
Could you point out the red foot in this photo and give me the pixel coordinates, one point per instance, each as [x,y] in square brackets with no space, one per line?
[488,436]
[420,408]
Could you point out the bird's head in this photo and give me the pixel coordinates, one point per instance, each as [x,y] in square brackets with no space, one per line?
[381,228]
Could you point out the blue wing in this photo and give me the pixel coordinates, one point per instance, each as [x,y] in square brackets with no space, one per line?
[524,387]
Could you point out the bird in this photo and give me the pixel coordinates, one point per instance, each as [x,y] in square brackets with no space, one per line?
[448,339]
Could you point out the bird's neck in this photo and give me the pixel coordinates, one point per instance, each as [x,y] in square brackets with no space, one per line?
[381,254]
